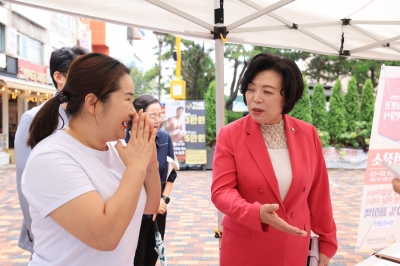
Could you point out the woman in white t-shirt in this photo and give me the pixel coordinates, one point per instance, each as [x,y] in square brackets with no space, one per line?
[86,195]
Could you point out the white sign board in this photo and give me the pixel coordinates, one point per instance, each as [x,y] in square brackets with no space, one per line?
[379,224]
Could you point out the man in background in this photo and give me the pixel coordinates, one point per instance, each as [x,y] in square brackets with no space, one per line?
[60,61]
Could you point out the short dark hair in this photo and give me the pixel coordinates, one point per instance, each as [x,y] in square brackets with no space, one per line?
[180,107]
[143,101]
[292,80]
[62,58]
[90,73]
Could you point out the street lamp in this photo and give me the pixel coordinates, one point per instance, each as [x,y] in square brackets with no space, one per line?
[161,38]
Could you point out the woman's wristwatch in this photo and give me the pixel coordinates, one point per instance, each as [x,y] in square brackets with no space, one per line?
[166,199]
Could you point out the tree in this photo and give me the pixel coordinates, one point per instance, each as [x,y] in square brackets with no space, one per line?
[363,69]
[211,126]
[351,105]
[197,67]
[318,107]
[240,55]
[336,117]
[325,68]
[367,103]
[302,109]
[144,83]
[211,115]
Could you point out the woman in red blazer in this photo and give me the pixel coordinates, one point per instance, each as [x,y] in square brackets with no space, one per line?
[269,175]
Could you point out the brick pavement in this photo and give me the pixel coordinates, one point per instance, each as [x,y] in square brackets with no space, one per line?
[192,218]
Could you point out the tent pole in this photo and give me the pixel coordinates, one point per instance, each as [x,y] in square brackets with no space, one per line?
[255,29]
[373,45]
[372,36]
[219,91]
[181,14]
[290,24]
[259,13]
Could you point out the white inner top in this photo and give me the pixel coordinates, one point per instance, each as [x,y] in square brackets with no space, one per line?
[283,170]
[275,140]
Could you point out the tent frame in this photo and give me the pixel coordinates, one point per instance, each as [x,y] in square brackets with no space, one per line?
[218,32]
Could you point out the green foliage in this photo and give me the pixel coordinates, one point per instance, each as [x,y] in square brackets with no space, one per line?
[367,103]
[302,109]
[232,116]
[318,108]
[336,116]
[327,67]
[239,56]
[324,138]
[351,105]
[363,69]
[144,82]
[197,68]
[359,137]
[211,117]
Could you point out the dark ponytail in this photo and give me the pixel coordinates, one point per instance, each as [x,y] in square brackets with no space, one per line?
[41,128]
[90,73]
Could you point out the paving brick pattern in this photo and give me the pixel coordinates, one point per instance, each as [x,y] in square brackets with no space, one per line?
[192,218]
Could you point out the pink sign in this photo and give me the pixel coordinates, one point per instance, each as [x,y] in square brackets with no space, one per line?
[389,120]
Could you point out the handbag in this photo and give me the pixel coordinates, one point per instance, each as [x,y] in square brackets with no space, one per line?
[313,252]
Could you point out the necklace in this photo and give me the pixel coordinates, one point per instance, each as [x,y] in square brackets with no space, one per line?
[105,149]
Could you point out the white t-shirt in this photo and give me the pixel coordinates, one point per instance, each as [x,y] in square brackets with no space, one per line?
[59,169]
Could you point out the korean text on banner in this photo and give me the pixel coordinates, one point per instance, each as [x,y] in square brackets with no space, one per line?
[379,224]
[185,122]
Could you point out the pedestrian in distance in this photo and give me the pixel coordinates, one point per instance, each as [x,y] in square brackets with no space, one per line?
[145,253]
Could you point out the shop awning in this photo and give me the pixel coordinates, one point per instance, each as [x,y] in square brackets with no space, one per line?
[19,84]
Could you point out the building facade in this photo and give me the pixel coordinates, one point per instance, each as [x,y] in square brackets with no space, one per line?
[28,36]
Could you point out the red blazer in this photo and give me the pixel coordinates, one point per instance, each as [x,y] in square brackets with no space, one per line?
[244,180]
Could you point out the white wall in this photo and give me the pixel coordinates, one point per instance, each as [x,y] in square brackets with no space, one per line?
[116,40]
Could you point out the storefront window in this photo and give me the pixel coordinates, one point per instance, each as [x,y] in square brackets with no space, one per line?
[35,51]
[24,46]
[64,20]
[30,49]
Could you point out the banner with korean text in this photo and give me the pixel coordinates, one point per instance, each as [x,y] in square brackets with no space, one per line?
[379,224]
[185,122]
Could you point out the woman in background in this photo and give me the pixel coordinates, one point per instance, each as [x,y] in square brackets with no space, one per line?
[145,253]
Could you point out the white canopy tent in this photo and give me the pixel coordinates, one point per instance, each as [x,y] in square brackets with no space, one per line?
[370,27]
[357,28]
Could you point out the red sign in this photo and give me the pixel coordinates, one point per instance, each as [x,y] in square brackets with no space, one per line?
[376,173]
[32,72]
[389,121]
[163,108]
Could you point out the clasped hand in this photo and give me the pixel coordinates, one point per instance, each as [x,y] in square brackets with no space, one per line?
[141,147]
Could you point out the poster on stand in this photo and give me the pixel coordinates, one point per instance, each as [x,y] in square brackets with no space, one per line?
[185,122]
[379,224]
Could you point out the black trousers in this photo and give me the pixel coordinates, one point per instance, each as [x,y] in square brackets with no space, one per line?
[145,254]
